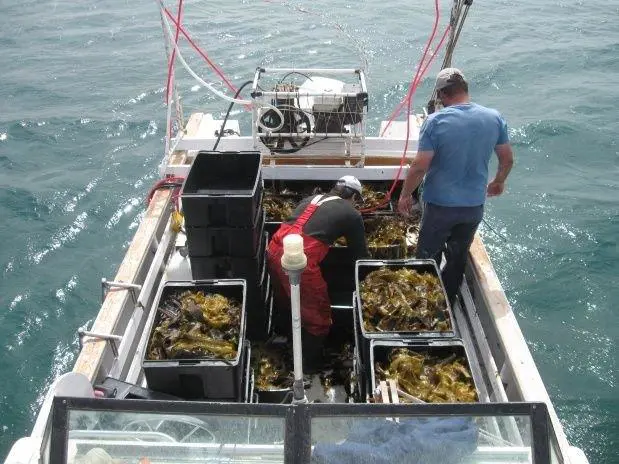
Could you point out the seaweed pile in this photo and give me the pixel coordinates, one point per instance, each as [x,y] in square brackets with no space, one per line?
[391,237]
[388,237]
[373,198]
[429,378]
[272,368]
[196,325]
[403,300]
[279,206]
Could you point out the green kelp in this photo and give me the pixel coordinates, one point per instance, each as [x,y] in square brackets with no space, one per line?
[429,378]
[196,325]
[279,206]
[373,198]
[272,368]
[391,237]
[403,300]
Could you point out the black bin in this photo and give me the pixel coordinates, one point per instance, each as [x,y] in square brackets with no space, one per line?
[203,378]
[226,241]
[380,349]
[231,267]
[223,189]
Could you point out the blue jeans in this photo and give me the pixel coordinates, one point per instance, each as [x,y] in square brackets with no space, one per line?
[450,229]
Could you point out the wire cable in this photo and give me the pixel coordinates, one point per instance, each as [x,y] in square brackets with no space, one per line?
[194,75]
[223,125]
[492,229]
[215,68]
[213,89]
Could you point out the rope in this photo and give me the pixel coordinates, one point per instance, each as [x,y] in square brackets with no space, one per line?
[456,22]
[498,234]
[411,91]
[416,81]
[215,68]
[171,63]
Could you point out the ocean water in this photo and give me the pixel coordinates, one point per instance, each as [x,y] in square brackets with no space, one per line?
[81,126]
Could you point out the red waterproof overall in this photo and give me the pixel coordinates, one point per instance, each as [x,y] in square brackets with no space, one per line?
[315,303]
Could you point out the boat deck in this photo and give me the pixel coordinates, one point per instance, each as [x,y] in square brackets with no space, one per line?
[501,364]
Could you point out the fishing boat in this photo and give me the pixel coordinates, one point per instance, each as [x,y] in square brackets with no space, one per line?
[308,129]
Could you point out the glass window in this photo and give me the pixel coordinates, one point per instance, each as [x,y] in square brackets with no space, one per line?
[443,440]
[136,437]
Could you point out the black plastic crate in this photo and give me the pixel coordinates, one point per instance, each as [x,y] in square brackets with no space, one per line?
[271,226]
[258,315]
[222,189]
[231,267]
[364,267]
[226,241]
[208,378]
[277,395]
[380,349]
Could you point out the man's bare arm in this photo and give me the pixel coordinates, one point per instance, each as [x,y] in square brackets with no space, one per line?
[506,160]
[418,169]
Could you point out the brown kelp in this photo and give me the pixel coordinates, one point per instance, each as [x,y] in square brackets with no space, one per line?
[373,198]
[403,300]
[391,237]
[196,325]
[279,205]
[432,379]
[272,368]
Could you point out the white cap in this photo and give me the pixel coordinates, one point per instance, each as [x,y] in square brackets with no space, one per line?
[351,182]
[447,76]
[294,258]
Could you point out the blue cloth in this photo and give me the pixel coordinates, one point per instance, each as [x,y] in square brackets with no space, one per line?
[462,138]
[412,441]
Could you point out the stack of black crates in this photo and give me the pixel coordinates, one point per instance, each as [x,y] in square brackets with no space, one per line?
[224,222]
[373,347]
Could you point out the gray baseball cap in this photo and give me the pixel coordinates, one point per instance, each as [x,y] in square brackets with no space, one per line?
[447,76]
[352,183]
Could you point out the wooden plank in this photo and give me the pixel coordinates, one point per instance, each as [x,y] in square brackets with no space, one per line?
[384,392]
[393,390]
[193,124]
[336,160]
[91,355]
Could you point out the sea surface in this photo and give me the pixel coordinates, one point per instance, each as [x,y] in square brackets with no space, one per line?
[82,121]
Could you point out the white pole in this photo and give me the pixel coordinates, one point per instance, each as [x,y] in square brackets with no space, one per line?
[294,262]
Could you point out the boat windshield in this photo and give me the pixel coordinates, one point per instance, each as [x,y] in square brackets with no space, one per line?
[140,431]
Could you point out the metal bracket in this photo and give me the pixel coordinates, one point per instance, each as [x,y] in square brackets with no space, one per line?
[107,285]
[112,339]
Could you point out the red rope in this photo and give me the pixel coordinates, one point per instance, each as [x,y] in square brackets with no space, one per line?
[171,63]
[215,68]
[398,109]
[173,182]
[408,100]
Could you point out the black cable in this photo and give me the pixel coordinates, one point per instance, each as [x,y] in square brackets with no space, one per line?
[223,125]
[498,234]
[293,72]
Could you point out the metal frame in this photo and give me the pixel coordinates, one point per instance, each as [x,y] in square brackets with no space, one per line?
[298,418]
[265,99]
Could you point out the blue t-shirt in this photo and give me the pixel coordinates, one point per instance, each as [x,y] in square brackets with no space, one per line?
[462,138]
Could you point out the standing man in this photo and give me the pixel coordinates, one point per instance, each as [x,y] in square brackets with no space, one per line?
[455,145]
[320,220]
